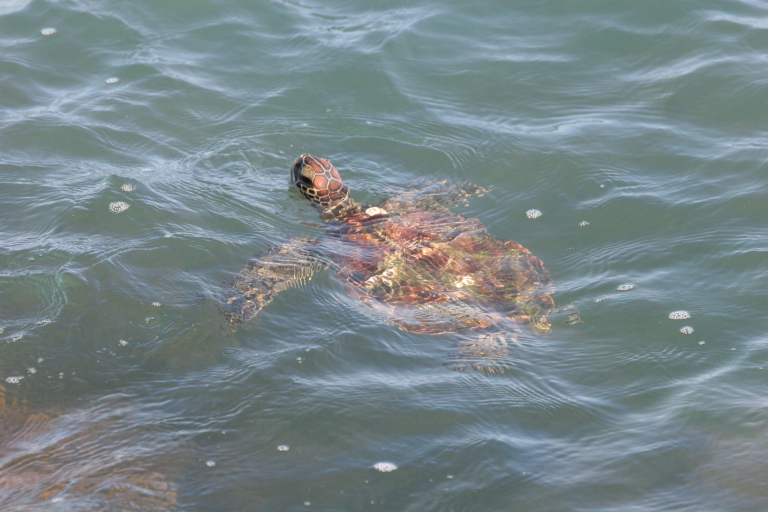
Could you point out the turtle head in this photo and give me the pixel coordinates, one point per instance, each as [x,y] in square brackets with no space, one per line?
[319,181]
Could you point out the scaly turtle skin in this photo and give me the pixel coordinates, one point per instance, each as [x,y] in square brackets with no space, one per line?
[427,269]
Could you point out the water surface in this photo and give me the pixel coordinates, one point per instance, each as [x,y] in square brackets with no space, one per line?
[637,129]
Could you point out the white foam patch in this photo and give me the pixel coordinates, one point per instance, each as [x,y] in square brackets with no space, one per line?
[48,31]
[156,304]
[210,464]
[533,214]
[375,210]
[583,223]
[112,80]
[625,287]
[679,315]
[283,448]
[127,187]
[687,330]
[13,380]
[118,206]
[122,343]
[384,467]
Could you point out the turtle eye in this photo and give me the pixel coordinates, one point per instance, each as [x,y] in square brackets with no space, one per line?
[306,180]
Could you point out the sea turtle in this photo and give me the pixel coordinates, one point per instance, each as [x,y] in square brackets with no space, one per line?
[48,455]
[429,270]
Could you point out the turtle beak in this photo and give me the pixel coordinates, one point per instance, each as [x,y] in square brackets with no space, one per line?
[296,169]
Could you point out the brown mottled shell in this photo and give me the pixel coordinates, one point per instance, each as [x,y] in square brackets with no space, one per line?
[434,271]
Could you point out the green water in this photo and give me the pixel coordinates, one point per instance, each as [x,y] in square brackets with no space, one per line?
[638,129]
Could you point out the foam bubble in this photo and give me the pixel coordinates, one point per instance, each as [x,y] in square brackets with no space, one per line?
[13,380]
[687,330]
[210,464]
[112,80]
[384,467]
[156,304]
[147,169]
[122,343]
[118,206]
[127,187]
[31,370]
[533,214]
[679,315]
[703,342]
[583,223]
[48,31]
[283,448]
[625,287]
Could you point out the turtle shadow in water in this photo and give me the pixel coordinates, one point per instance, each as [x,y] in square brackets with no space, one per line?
[427,269]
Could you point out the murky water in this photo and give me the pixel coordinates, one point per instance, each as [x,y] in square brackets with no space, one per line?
[144,156]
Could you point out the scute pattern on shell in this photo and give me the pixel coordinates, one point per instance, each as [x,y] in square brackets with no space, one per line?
[433,271]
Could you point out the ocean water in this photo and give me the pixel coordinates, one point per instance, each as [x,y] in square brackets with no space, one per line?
[144,156]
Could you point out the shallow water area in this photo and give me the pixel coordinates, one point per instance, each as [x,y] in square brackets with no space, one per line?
[144,157]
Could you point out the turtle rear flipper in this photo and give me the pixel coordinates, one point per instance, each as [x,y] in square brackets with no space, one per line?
[486,354]
[569,311]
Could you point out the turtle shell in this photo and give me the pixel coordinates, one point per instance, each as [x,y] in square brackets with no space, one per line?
[432,271]
[47,455]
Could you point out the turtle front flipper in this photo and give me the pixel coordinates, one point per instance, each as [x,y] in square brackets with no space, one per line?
[427,195]
[486,354]
[279,268]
